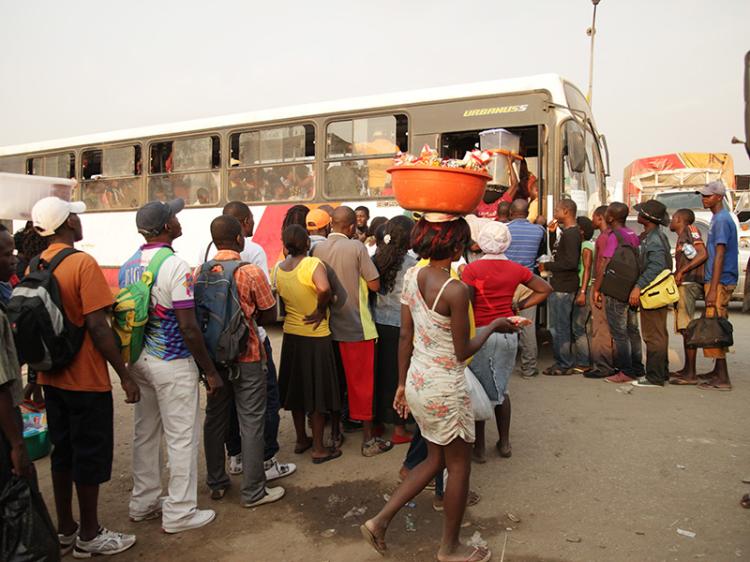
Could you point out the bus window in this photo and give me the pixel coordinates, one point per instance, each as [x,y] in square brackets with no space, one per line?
[61,165]
[185,168]
[575,179]
[111,178]
[272,164]
[13,164]
[358,153]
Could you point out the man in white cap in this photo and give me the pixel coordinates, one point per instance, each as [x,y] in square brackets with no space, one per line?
[79,396]
[721,275]
[168,374]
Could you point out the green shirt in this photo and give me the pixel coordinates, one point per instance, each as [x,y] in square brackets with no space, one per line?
[585,245]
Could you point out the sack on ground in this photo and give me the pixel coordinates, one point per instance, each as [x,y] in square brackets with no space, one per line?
[130,312]
[45,338]
[219,313]
[661,292]
[709,333]
[28,534]
[480,403]
[622,271]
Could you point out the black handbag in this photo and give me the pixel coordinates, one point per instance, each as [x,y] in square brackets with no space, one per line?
[707,332]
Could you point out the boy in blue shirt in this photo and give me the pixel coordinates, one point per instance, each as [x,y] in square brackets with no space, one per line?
[721,276]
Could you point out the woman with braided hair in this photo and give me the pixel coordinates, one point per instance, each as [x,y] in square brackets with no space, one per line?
[434,346]
[393,260]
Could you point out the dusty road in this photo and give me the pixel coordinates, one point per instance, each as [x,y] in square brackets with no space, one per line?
[596,474]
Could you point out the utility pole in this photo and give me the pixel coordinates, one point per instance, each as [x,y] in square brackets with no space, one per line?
[591,32]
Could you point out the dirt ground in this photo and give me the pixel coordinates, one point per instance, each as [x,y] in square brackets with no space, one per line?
[596,474]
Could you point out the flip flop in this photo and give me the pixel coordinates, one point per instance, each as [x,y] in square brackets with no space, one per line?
[476,555]
[378,544]
[507,454]
[299,449]
[679,381]
[745,501]
[400,439]
[713,386]
[559,373]
[333,455]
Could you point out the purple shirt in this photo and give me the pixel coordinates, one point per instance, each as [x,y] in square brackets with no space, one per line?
[629,237]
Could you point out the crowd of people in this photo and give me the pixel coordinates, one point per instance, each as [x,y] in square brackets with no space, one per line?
[380,323]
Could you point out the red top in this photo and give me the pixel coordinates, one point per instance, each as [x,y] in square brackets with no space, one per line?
[494,282]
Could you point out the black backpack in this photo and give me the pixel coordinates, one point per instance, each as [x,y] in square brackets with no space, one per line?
[622,271]
[45,339]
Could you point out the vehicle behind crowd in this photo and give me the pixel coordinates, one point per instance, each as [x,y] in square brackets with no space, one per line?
[330,153]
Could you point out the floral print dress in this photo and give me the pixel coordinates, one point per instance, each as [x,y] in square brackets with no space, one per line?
[435,384]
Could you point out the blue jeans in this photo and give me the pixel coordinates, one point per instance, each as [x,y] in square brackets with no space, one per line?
[493,364]
[273,404]
[416,454]
[561,325]
[626,337]
[581,315]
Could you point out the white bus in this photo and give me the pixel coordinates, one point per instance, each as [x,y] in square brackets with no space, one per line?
[327,153]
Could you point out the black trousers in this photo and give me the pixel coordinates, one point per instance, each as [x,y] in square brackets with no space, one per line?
[654,331]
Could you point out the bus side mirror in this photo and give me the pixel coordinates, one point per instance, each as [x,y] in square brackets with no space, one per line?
[576,151]
[605,153]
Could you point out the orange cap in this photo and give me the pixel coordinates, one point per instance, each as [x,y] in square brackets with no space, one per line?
[317,219]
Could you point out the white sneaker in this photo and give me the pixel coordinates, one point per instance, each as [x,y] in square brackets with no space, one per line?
[105,543]
[272,495]
[67,542]
[154,512]
[235,464]
[200,518]
[274,469]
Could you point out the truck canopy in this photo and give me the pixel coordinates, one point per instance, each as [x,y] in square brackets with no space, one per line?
[644,176]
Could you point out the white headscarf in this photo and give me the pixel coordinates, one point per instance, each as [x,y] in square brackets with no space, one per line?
[494,238]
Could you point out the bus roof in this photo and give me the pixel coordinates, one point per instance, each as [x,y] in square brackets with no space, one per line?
[551,83]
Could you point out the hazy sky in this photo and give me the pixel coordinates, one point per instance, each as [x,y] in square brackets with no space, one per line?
[668,73]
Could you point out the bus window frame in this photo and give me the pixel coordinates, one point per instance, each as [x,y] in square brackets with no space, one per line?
[29,159]
[146,164]
[326,161]
[78,196]
[311,162]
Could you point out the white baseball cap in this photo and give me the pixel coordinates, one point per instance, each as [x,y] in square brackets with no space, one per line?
[49,213]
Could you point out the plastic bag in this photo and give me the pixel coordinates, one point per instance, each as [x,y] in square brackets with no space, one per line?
[479,401]
[26,532]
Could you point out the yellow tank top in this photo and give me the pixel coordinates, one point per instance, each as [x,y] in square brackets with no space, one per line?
[297,290]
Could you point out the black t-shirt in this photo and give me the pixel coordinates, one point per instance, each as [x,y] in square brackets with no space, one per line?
[567,254]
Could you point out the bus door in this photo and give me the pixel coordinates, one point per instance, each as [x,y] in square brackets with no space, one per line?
[456,144]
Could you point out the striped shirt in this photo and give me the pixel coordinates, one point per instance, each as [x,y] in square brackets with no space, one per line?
[526,240]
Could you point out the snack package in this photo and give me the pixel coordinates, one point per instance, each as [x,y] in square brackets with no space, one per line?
[476,160]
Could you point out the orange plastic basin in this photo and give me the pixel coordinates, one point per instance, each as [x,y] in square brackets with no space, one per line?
[446,190]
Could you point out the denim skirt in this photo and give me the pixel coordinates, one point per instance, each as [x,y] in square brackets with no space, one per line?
[493,364]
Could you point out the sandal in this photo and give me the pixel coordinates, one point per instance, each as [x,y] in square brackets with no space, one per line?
[679,381]
[504,454]
[745,501]
[479,554]
[376,543]
[375,446]
[557,372]
[333,455]
[710,385]
[472,498]
[401,439]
